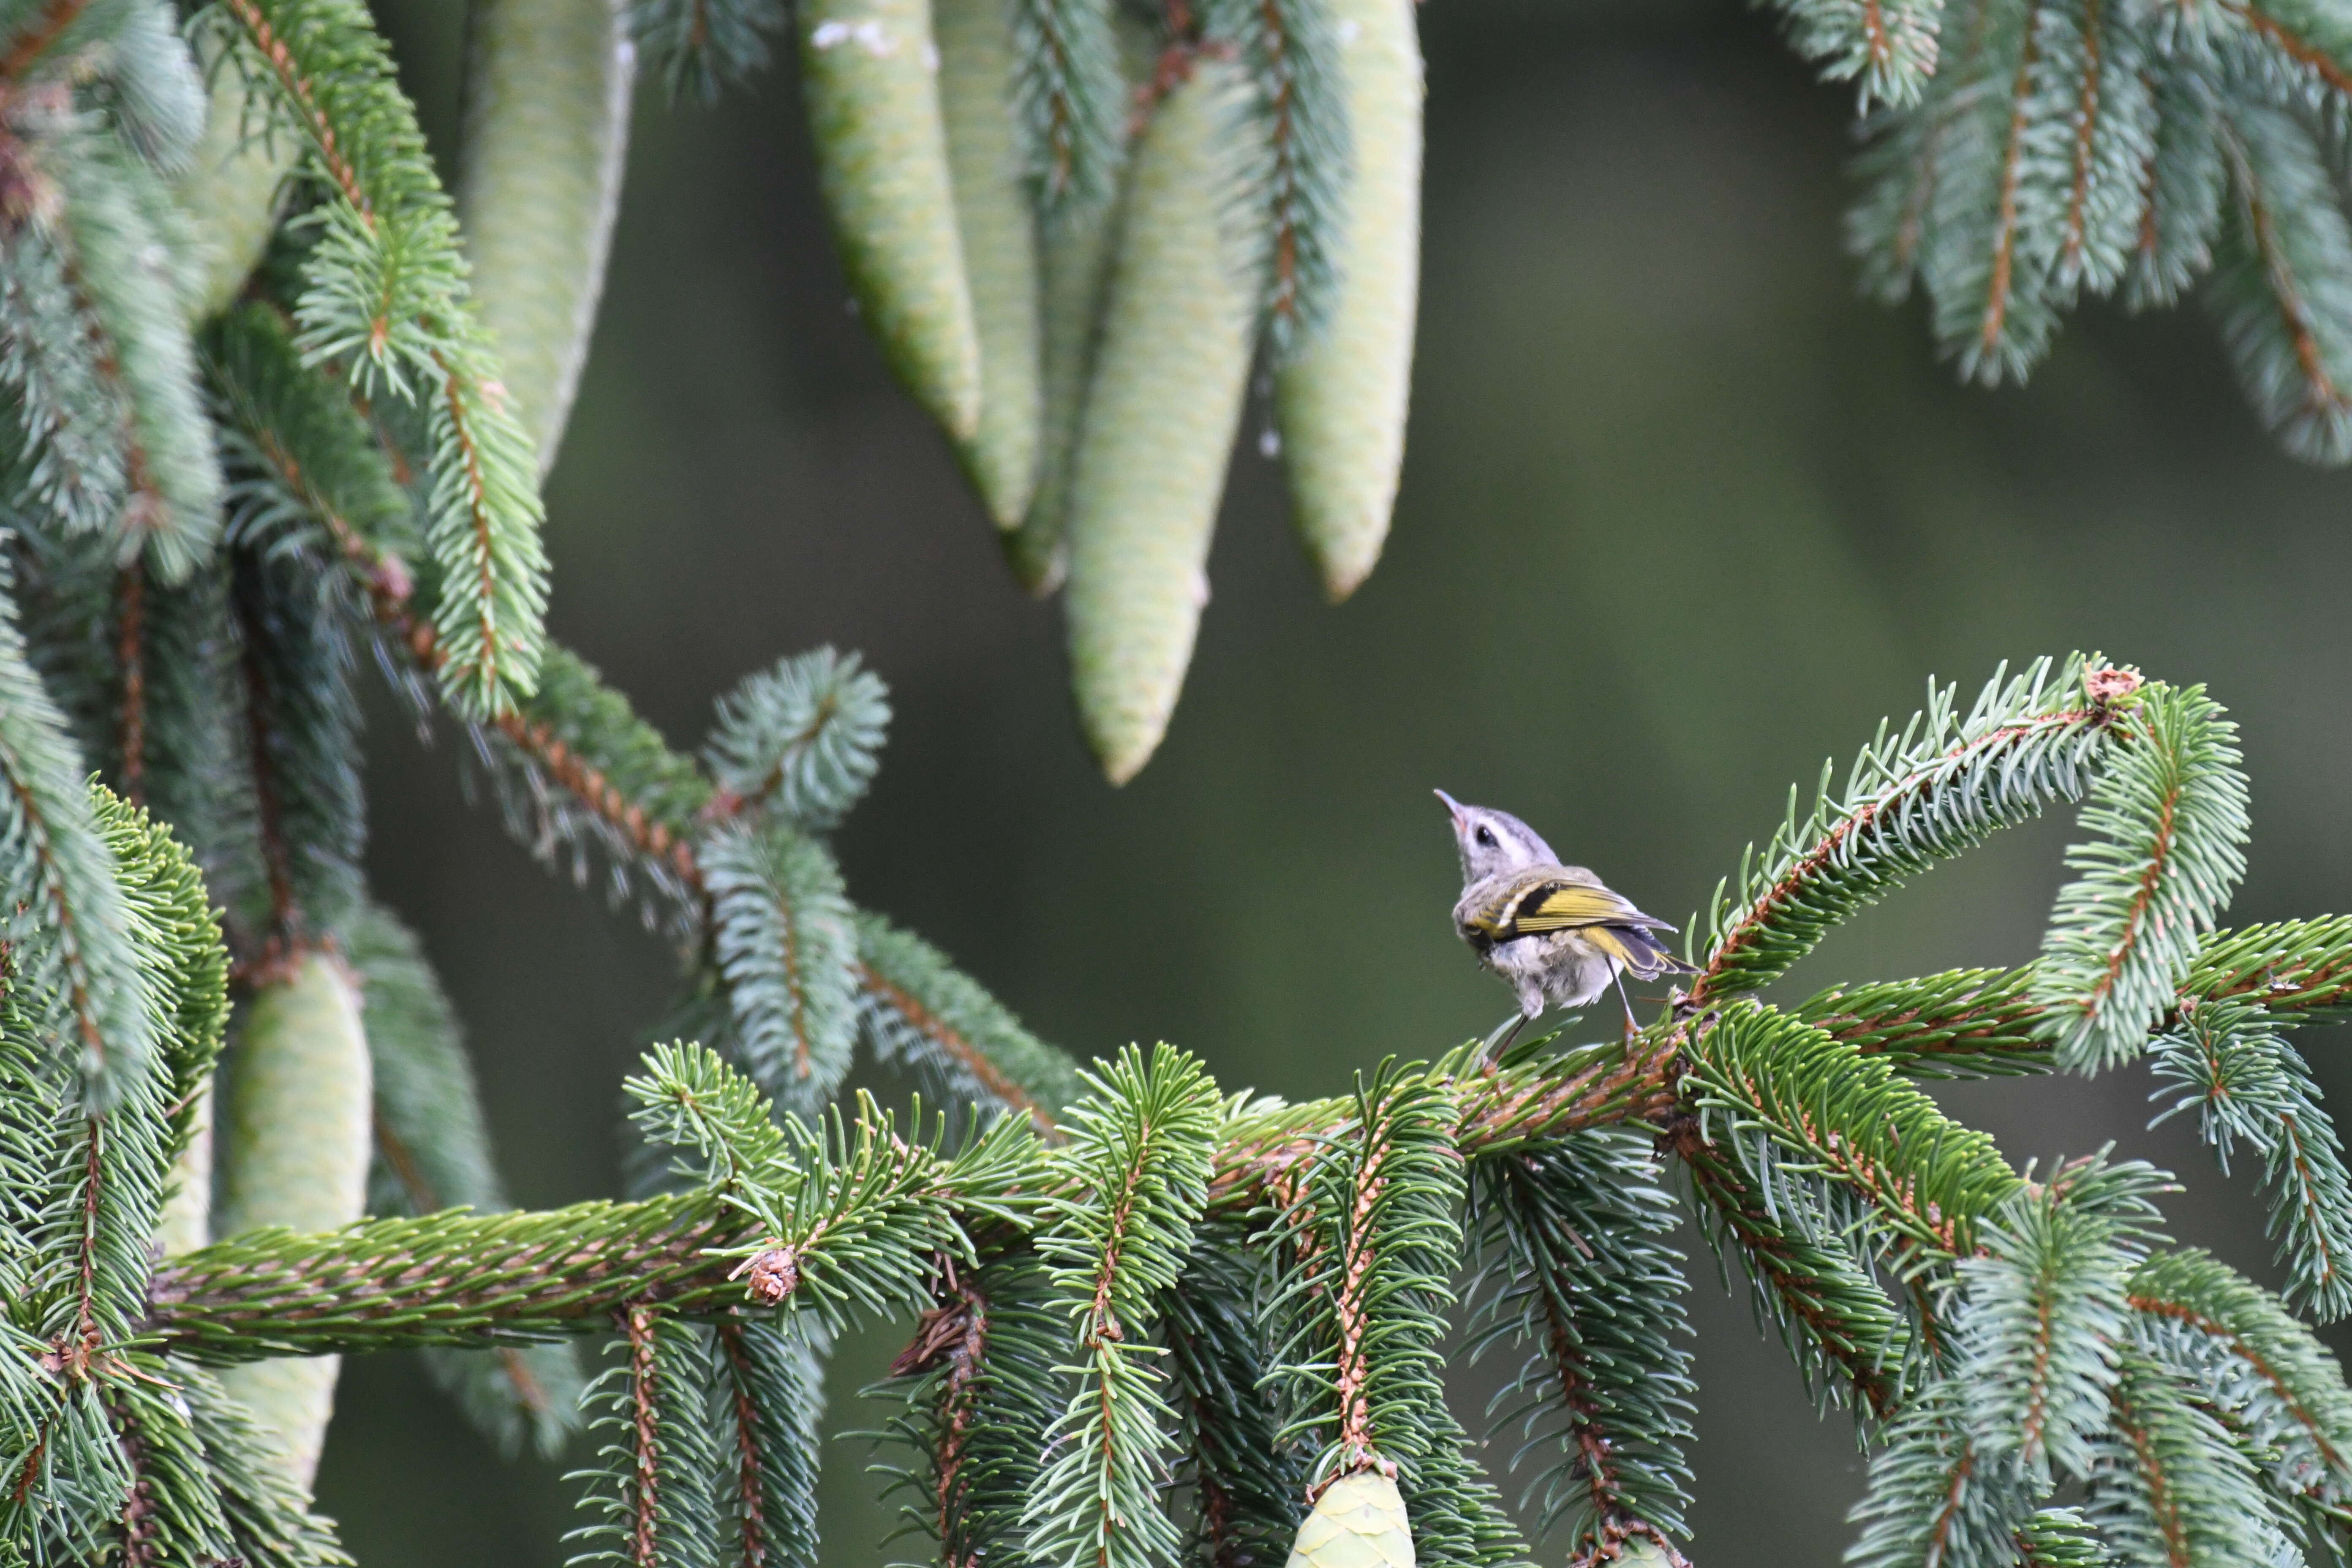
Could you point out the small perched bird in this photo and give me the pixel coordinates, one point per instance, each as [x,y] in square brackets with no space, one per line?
[1554,932]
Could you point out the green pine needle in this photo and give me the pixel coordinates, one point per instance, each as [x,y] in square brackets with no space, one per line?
[1138,1157]
[801,740]
[384,300]
[2169,813]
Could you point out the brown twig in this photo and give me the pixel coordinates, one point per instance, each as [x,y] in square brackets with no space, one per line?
[645,1396]
[131,655]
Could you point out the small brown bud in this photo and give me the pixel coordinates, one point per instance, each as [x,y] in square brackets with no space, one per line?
[2108,683]
[393,579]
[775,1274]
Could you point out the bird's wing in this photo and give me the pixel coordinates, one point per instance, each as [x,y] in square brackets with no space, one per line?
[1559,906]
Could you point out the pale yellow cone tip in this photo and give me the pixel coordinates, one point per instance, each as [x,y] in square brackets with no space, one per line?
[1343,577]
[1123,754]
[1358,1523]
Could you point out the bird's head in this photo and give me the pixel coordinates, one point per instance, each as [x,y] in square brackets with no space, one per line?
[1492,841]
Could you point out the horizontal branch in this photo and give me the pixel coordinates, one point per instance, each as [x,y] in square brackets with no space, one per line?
[1982,1021]
[463,1279]
[451,1278]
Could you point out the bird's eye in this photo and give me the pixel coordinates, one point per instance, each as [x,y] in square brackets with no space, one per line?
[1487,836]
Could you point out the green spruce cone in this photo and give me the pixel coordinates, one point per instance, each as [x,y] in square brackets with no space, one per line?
[1000,249]
[230,190]
[546,137]
[870,69]
[1340,404]
[187,1222]
[1074,262]
[294,1148]
[1162,411]
[1358,1523]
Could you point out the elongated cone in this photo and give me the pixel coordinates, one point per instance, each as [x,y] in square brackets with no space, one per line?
[1358,1523]
[293,1143]
[1074,261]
[186,1221]
[870,70]
[1340,405]
[1161,410]
[1000,249]
[230,189]
[546,135]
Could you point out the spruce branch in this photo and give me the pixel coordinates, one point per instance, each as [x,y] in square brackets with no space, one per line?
[1071,103]
[854,1224]
[917,1010]
[1940,787]
[1139,1154]
[782,942]
[448,1278]
[1986,1022]
[2169,1485]
[976,1389]
[174,1511]
[1934,1499]
[1852,1120]
[2094,117]
[75,967]
[1852,1345]
[302,722]
[1993,311]
[801,740]
[2279,291]
[94,342]
[772,1396]
[1371,1244]
[2045,1308]
[650,1491]
[172,920]
[306,470]
[1458,1517]
[1964,1023]
[2181,182]
[1576,1274]
[1250,1485]
[1298,114]
[2228,1060]
[698,46]
[2252,1363]
[384,298]
[2170,813]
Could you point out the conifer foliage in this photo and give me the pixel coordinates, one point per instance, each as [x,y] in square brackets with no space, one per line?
[1152,1324]
[1149,1322]
[1081,233]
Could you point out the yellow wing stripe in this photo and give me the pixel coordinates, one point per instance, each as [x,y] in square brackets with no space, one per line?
[1562,905]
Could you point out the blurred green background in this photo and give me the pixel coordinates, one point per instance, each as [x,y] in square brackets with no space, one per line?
[1680,516]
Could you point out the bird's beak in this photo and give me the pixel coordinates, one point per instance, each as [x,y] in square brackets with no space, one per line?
[1452,804]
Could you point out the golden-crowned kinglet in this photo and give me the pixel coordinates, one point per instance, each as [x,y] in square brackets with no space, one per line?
[1554,932]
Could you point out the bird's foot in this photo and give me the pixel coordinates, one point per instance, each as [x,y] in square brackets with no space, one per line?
[1500,1040]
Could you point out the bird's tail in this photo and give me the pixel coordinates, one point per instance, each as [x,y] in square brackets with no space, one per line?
[1642,954]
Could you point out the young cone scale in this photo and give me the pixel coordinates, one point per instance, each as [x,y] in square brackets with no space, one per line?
[1340,404]
[294,1147]
[1358,1523]
[1162,411]
[187,1222]
[230,191]
[1074,260]
[1000,250]
[869,68]
[546,135]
